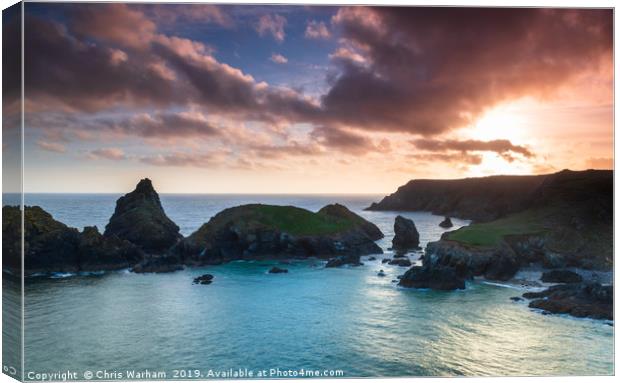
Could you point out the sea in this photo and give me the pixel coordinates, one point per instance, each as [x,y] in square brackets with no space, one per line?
[311,322]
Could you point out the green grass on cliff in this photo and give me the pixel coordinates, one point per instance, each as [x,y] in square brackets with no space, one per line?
[491,233]
[298,221]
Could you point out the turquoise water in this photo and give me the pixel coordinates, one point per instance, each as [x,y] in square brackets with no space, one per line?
[346,319]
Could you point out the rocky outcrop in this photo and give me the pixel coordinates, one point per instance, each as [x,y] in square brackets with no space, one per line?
[140,219]
[446,223]
[561,276]
[468,261]
[403,262]
[591,300]
[437,278]
[267,231]
[51,246]
[96,252]
[277,270]
[406,235]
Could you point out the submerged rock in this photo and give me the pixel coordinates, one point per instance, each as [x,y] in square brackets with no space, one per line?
[516,299]
[353,260]
[585,299]
[446,223]
[385,260]
[381,273]
[406,235]
[205,279]
[277,270]
[140,219]
[561,276]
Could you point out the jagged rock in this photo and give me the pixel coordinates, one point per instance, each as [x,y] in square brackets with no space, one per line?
[381,273]
[277,270]
[385,260]
[205,279]
[446,223]
[437,278]
[561,276]
[404,262]
[96,252]
[406,235]
[586,299]
[502,267]
[49,245]
[266,231]
[140,219]
[372,258]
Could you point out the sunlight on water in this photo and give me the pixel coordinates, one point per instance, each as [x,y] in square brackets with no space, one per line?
[346,318]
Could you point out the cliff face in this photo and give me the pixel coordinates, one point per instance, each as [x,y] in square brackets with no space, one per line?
[488,198]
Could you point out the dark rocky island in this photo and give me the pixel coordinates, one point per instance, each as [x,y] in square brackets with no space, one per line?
[446,223]
[277,270]
[406,236]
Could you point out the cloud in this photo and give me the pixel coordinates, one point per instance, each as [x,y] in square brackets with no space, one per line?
[203,13]
[344,140]
[117,23]
[501,147]
[317,30]
[600,163]
[51,146]
[182,159]
[272,24]
[107,153]
[278,58]
[460,159]
[430,70]
[163,125]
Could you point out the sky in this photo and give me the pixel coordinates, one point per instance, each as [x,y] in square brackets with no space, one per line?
[308,99]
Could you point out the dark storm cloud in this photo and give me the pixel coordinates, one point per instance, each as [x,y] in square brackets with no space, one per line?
[428,70]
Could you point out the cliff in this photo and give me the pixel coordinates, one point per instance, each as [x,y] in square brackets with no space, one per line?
[486,199]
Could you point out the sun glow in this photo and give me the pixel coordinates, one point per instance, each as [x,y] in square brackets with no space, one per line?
[504,122]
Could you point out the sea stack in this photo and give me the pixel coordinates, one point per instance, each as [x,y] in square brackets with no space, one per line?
[446,223]
[406,235]
[140,219]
